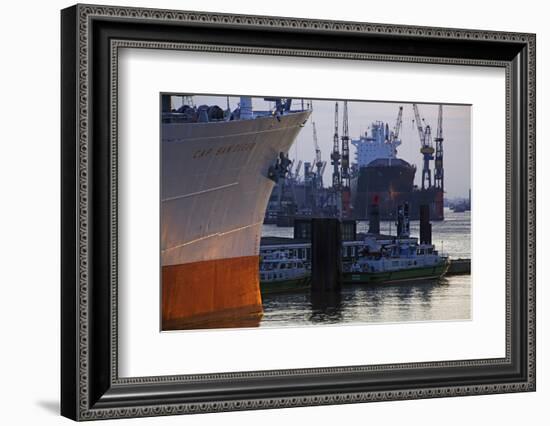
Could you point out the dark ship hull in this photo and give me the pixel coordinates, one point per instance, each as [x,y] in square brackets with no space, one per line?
[390,183]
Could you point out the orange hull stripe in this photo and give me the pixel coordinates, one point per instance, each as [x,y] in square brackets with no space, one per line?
[210,291]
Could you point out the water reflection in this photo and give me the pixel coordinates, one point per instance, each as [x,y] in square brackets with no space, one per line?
[326,307]
[444,299]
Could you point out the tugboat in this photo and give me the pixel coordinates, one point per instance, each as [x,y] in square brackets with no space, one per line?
[279,273]
[388,259]
[397,260]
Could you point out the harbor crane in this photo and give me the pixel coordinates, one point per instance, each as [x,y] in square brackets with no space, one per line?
[335,155]
[345,173]
[438,171]
[318,160]
[398,122]
[292,173]
[289,182]
[323,167]
[297,170]
[426,148]
[335,161]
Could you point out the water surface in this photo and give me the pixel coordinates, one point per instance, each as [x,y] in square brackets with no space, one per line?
[448,298]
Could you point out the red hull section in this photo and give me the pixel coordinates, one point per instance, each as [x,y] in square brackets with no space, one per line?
[211,294]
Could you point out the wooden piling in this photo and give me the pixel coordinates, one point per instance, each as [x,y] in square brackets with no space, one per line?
[374,216]
[326,255]
[425,225]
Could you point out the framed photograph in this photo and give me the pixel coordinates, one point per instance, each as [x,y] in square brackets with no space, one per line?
[263,212]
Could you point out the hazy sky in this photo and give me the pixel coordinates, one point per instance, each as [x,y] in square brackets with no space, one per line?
[456,133]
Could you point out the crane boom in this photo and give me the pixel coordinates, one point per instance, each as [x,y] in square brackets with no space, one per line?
[398,123]
[345,146]
[419,124]
[297,171]
[345,122]
[318,160]
[440,123]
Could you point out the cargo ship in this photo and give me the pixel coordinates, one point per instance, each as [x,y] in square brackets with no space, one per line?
[217,172]
[382,175]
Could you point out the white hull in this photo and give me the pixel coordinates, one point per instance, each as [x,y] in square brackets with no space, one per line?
[214,187]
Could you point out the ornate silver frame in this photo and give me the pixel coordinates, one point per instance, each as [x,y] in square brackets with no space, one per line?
[91,388]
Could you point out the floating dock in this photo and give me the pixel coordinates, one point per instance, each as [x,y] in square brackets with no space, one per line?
[300,248]
[459,267]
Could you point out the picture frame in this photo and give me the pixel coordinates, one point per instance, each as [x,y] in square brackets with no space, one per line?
[90,384]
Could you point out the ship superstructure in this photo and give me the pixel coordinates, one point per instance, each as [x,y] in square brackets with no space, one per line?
[379,144]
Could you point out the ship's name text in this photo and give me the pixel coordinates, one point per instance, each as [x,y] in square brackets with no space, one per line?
[209,152]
